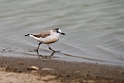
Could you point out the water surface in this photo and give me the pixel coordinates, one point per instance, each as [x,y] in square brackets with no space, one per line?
[94,29]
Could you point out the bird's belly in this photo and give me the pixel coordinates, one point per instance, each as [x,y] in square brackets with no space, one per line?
[48,40]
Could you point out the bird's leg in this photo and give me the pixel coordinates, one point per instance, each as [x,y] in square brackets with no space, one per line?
[52,49]
[38,48]
[52,54]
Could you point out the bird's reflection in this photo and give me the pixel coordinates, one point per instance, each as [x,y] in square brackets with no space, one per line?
[46,56]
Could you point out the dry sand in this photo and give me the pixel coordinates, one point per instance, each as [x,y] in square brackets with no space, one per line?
[16,70]
[11,77]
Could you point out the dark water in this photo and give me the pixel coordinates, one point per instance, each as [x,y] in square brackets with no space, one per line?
[94,28]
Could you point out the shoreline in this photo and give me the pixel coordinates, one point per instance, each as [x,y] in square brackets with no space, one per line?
[63,71]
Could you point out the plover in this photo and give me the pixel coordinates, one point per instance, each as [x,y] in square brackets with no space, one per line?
[47,37]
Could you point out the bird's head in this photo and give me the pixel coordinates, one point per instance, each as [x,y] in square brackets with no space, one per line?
[57,30]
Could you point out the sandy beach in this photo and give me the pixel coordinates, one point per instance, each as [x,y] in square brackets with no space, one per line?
[18,70]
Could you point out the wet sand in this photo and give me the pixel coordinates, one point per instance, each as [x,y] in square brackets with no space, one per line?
[13,70]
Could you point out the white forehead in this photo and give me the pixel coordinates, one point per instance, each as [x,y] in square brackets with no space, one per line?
[59,30]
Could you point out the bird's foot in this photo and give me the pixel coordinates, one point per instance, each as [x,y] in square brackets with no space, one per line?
[57,51]
[53,50]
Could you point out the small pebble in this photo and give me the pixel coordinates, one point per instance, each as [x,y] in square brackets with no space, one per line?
[47,69]
[32,68]
[3,49]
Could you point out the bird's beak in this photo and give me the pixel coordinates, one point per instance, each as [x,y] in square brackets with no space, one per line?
[62,33]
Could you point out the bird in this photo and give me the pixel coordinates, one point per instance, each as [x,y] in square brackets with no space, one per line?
[47,37]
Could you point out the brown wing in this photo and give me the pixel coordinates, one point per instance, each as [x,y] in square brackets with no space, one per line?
[42,34]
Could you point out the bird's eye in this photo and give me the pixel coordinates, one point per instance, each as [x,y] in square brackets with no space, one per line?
[57,31]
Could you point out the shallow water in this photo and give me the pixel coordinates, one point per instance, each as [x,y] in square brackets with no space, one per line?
[94,29]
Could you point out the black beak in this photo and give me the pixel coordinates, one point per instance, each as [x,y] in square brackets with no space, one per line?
[62,33]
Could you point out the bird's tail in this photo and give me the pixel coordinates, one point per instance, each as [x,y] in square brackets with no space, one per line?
[27,34]
[30,35]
